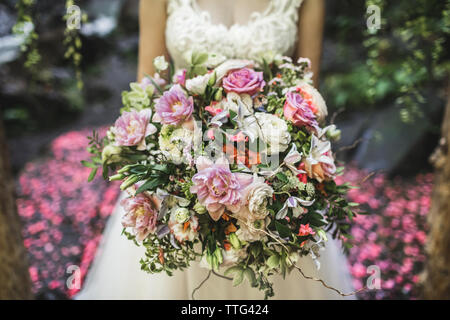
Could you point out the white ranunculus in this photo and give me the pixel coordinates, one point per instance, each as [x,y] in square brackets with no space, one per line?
[160,63]
[198,84]
[173,141]
[272,130]
[258,195]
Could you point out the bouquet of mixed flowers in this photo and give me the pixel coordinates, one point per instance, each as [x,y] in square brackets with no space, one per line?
[227,162]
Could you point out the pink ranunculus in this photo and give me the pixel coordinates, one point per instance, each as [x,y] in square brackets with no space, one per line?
[140,215]
[244,81]
[217,187]
[297,110]
[131,128]
[174,107]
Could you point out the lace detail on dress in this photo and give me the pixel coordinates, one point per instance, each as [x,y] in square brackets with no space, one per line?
[190,29]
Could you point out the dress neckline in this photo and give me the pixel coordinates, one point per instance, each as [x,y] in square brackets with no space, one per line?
[251,19]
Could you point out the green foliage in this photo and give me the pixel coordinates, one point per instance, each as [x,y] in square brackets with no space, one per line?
[403,62]
[412,39]
[26,26]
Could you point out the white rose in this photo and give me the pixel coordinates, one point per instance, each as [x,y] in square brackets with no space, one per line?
[198,84]
[271,130]
[160,63]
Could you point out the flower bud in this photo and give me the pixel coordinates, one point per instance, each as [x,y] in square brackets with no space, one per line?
[212,80]
[333,133]
[111,154]
[219,95]
[117,177]
[218,254]
[234,240]
[131,180]
[199,208]
[182,215]
[160,63]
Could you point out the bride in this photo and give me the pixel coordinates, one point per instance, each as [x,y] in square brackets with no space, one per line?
[235,29]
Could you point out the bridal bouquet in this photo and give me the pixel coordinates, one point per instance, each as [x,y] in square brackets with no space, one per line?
[227,162]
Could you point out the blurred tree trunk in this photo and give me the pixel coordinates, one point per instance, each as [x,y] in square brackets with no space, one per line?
[14,277]
[436,281]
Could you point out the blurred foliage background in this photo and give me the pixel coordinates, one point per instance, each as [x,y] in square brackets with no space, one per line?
[388,86]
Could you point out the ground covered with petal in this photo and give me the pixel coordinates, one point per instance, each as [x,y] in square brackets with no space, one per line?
[64,216]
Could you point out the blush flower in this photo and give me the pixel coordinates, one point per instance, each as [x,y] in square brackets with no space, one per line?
[297,110]
[313,99]
[140,215]
[131,128]
[174,107]
[244,81]
[217,187]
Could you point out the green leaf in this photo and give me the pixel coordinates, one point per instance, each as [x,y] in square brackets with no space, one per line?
[238,278]
[250,275]
[150,185]
[273,261]
[88,164]
[232,270]
[92,174]
[282,177]
[283,230]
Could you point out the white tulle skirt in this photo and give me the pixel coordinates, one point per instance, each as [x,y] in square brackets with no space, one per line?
[116,274]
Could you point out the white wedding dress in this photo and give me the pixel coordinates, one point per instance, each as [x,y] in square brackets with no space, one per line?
[115,273]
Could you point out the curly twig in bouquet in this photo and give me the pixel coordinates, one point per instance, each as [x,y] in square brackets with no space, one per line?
[227,162]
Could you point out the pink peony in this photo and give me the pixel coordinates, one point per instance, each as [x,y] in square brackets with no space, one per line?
[297,110]
[217,187]
[244,81]
[174,107]
[139,215]
[131,128]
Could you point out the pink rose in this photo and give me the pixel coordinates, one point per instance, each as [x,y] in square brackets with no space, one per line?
[131,128]
[297,110]
[174,107]
[217,187]
[140,215]
[244,81]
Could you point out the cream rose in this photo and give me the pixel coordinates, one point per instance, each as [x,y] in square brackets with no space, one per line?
[271,130]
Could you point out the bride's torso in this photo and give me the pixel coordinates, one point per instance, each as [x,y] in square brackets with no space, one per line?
[233,29]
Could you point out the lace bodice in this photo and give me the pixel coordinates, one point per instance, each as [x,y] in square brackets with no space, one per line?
[189,28]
